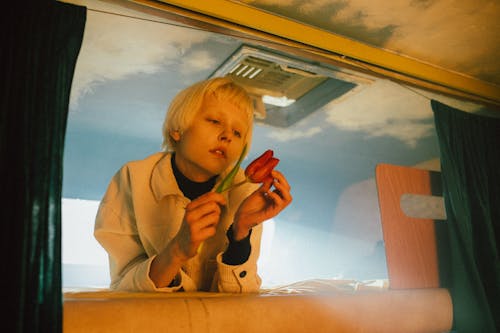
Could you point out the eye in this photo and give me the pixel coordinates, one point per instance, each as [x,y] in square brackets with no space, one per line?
[213,121]
[237,133]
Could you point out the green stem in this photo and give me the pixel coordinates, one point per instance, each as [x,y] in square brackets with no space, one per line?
[227,182]
[235,185]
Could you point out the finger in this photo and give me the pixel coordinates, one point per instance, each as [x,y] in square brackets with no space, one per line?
[207,210]
[280,194]
[200,229]
[282,191]
[203,234]
[266,185]
[280,179]
[203,208]
[207,198]
[207,233]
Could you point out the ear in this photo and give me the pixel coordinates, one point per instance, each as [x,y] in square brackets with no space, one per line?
[176,135]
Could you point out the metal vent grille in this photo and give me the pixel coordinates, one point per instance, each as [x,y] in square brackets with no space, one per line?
[267,74]
[264,77]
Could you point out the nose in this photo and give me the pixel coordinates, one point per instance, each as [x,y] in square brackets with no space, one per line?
[225,135]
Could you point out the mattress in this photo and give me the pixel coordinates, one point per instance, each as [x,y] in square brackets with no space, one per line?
[306,306]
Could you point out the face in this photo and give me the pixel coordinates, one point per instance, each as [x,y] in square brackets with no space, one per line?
[213,142]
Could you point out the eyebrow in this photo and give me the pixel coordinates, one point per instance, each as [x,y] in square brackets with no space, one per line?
[216,113]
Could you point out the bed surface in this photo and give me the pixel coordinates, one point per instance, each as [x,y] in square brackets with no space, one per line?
[306,306]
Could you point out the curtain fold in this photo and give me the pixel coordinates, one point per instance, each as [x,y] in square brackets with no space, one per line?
[470,165]
[40,45]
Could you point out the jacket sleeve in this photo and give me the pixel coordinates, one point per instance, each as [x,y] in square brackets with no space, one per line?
[116,230]
[241,278]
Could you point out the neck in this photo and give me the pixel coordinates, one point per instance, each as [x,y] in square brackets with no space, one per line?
[188,172]
[191,189]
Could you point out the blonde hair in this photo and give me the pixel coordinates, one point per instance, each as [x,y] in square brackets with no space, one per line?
[187,104]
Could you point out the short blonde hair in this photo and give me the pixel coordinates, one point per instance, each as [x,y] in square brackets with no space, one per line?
[187,104]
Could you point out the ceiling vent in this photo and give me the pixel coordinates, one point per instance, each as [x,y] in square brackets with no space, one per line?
[285,89]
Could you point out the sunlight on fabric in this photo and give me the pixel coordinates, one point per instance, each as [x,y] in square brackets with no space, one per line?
[84,261]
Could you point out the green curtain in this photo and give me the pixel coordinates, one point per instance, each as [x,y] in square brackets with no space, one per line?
[470,167]
[40,42]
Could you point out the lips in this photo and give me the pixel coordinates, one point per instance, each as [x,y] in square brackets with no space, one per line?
[227,182]
[221,152]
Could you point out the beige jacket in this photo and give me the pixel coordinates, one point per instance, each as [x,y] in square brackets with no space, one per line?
[141,213]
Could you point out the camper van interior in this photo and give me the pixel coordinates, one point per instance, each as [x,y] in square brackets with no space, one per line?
[344,94]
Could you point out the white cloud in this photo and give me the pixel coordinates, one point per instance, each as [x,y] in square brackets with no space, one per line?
[115,47]
[357,210]
[458,35]
[434,31]
[285,135]
[197,61]
[282,3]
[411,122]
[312,7]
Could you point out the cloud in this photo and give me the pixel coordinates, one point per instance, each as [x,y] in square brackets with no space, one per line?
[197,61]
[313,6]
[410,123]
[357,210]
[115,47]
[457,35]
[281,3]
[386,109]
[428,29]
[429,23]
[286,135]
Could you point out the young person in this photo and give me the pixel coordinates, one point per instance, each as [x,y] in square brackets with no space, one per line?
[160,221]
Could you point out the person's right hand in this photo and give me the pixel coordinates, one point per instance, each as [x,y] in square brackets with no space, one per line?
[200,222]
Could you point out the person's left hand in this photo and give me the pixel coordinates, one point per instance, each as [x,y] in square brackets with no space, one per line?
[262,205]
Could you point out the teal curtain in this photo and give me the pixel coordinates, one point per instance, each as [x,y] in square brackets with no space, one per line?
[470,166]
[40,42]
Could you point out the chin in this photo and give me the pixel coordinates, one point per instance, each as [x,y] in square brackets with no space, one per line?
[216,168]
[219,171]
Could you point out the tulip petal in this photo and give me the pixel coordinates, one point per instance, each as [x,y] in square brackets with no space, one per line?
[261,174]
[258,163]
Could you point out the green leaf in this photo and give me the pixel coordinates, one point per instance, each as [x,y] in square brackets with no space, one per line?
[228,181]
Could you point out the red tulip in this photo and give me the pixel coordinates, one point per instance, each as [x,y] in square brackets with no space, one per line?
[259,170]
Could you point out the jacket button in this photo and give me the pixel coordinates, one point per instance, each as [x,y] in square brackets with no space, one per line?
[243,274]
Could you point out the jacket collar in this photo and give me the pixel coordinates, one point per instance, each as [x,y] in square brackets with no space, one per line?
[163,181]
